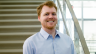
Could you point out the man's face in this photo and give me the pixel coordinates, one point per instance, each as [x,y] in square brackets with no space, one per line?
[48,17]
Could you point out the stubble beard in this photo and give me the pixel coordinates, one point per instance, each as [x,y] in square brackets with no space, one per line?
[49,27]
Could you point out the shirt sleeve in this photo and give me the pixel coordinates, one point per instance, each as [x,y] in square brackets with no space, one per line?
[28,48]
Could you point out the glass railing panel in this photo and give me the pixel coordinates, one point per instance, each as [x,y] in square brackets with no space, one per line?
[78,8]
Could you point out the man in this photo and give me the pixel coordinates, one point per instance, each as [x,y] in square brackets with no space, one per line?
[48,40]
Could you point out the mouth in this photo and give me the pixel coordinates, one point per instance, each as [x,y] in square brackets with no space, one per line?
[50,21]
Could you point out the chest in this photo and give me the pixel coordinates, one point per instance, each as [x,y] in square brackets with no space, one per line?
[56,46]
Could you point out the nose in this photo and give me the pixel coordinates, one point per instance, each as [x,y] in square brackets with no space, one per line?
[50,16]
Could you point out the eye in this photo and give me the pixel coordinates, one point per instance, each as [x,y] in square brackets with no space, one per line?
[53,13]
[46,14]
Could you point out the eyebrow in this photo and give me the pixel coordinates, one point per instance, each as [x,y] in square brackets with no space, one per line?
[48,12]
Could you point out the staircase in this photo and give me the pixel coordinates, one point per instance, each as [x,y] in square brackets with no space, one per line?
[18,21]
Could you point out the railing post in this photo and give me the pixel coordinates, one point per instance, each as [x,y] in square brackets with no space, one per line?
[64,11]
[76,41]
[76,23]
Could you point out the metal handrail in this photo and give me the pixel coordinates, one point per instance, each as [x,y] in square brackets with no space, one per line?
[79,31]
[64,22]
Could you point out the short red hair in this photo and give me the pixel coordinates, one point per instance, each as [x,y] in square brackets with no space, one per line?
[47,3]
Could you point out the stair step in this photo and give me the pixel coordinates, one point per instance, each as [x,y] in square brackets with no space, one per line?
[15,36]
[11,46]
[8,42]
[18,15]
[19,5]
[16,23]
[18,33]
[19,20]
[4,10]
[21,1]
[21,26]
[11,50]
[18,11]
[18,44]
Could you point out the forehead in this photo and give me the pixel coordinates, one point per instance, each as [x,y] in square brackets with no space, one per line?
[48,9]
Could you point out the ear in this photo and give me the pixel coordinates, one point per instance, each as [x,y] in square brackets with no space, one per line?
[39,18]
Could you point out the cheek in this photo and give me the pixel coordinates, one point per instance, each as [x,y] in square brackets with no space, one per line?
[44,19]
[55,18]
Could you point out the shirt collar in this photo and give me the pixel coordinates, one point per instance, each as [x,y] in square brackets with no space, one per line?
[46,35]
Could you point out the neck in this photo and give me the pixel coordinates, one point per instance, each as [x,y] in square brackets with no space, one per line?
[50,31]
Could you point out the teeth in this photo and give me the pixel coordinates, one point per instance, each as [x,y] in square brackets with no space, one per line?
[51,21]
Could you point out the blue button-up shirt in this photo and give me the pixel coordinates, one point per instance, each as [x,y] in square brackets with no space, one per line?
[43,43]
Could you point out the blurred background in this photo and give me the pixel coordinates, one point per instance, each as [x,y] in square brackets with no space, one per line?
[18,21]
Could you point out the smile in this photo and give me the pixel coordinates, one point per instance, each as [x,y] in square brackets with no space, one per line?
[50,21]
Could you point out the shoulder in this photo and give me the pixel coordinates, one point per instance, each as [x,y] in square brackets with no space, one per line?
[29,44]
[31,38]
[65,37]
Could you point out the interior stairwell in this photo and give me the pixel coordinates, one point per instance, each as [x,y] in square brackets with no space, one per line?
[18,21]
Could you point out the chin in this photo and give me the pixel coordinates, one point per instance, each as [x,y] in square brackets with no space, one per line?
[51,27]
